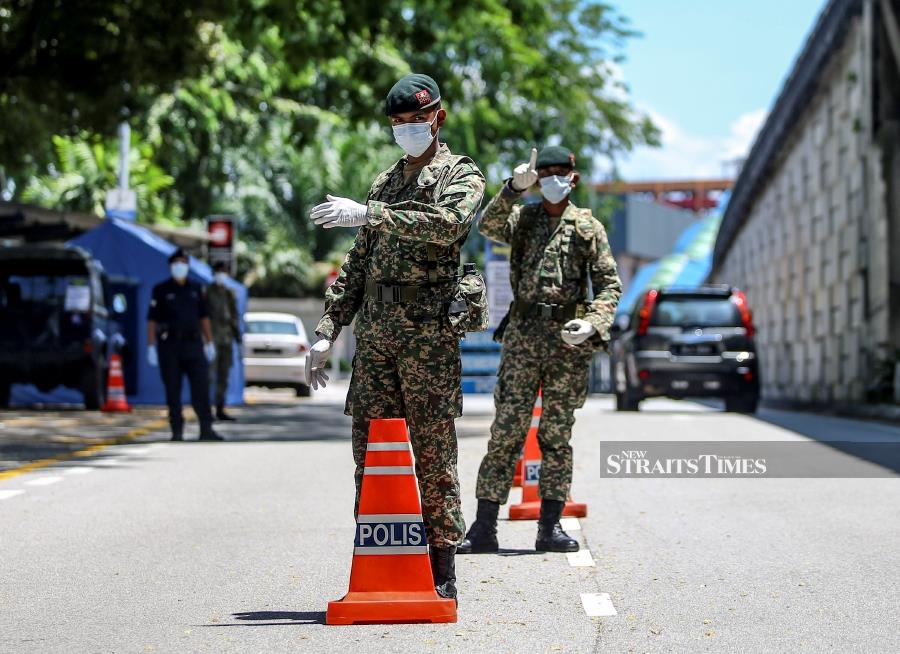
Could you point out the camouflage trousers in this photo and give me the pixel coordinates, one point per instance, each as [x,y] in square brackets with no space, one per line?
[416,377]
[221,369]
[534,357]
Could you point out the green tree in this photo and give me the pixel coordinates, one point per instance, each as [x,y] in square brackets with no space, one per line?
[87,167]
[69,66]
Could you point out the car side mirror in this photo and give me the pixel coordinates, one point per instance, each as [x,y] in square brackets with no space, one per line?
[119,304]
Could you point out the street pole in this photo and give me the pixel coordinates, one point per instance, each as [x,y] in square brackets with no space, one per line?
[124,149]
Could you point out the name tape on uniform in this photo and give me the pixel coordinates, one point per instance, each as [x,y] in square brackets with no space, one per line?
[532,473]
[390,534]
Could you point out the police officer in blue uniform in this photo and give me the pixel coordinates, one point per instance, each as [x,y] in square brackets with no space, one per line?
[179,341]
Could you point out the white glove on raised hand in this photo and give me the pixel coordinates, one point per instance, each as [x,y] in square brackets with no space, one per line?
[339,212]
[152,356]
[525,175]
[576,332]
[315,363]
[209,349]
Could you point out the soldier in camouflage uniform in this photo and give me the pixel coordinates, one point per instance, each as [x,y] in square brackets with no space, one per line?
[557,252]
[397,281]
[226,327]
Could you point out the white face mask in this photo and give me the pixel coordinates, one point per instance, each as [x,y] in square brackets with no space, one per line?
[556,187]
[221,277]
[179,270]
[414,138]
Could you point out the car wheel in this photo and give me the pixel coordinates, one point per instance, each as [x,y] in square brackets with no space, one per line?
[742,404]
[5,388]
[625,401]
[93,387]
[302,390]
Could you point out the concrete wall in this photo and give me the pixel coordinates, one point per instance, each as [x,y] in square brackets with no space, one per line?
[813,254]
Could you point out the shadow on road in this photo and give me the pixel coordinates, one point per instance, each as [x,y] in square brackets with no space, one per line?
[265,618]
[875,442]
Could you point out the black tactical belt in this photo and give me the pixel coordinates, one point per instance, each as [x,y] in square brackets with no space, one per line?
[546,310]
[391,293]
[180,334]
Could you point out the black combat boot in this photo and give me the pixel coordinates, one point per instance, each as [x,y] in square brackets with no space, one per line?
[443,568]
[482,535]
[550,536]
[221,415]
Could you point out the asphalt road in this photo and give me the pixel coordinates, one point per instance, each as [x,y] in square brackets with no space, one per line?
[237,547]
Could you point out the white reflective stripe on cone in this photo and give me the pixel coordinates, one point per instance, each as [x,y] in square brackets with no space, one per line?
[388,447]
[397,549]
[535,422]
[389,517]
[389,470]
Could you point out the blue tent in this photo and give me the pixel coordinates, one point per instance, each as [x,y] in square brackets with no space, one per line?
[137,259]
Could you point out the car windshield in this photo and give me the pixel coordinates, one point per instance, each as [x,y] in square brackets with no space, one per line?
[272,327]
[695,312]
[73,293]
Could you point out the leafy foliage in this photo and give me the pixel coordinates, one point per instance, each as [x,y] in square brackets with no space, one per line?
[260,108]
[87,167]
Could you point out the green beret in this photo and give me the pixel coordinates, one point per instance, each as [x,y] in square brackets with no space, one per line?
[412,93]
[555,155]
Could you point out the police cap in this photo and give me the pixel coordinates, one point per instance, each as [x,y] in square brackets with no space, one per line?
[555,155]
[412,93]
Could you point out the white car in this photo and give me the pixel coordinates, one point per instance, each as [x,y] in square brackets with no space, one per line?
[275,347]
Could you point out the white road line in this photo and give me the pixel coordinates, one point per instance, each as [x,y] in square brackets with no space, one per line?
[133,449]
[570,524]
[43,481]
[6,494]
[597,604]
[80,470]
[580,559]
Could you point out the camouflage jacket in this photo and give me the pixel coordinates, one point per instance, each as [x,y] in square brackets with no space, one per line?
[223,313]
[432,211]
[556,267]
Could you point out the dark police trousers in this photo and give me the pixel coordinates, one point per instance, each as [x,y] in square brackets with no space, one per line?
[178,358]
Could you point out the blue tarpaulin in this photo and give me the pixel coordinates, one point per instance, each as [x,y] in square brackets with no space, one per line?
[128,251]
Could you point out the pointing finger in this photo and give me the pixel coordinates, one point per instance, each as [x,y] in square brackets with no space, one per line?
[533,162]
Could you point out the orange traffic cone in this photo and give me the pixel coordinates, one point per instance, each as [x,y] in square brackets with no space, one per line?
[517,476]
[390,579]
[116,402]
[530,506]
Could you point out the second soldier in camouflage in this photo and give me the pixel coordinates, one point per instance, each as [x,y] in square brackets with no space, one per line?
[557,253]
[397,282]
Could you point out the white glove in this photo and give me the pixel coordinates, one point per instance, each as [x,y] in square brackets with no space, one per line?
[525,175]
[315,363]
[576,332]
[209,350]
[152,356]
[339,212]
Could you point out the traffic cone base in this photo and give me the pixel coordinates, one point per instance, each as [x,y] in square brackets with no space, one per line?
[390,578]
[116,402]
[390,608]
[532,510]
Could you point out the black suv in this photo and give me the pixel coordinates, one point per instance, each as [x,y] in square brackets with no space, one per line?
[55,323]
[679,343]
